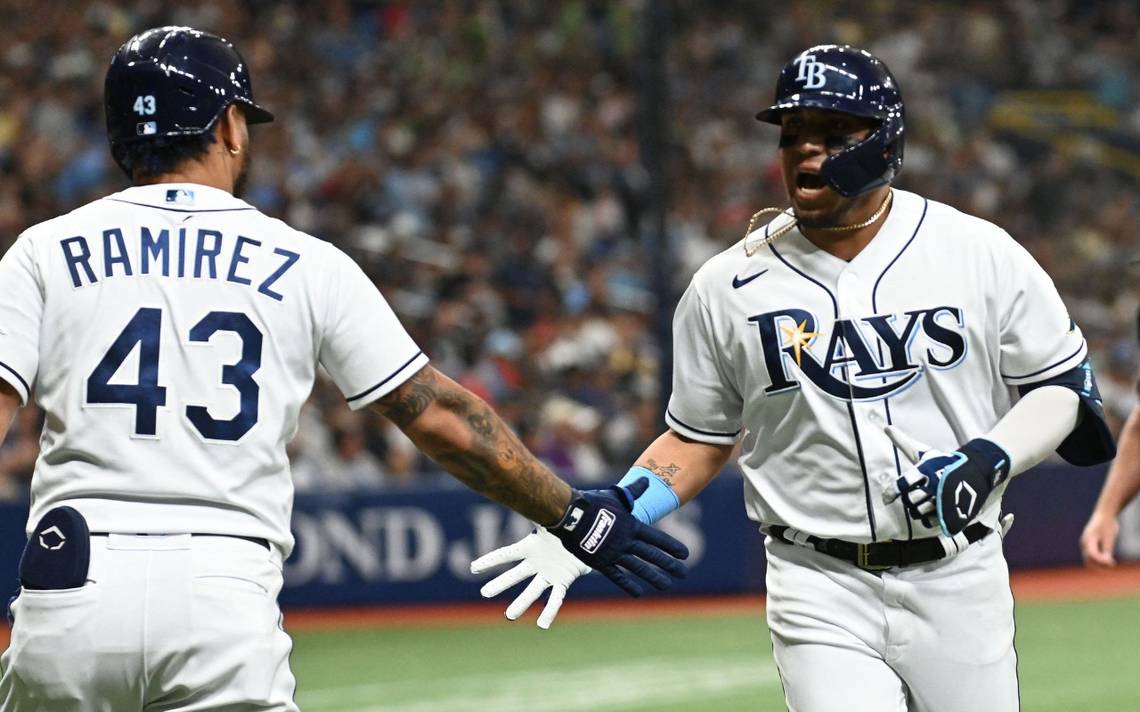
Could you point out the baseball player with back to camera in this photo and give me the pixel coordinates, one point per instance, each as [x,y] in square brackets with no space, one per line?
[171,333]
[886,364]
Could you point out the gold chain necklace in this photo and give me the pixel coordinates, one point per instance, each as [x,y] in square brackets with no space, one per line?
[750,250]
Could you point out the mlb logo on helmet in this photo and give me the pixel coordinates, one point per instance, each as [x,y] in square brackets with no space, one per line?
[146,128]
[811,72]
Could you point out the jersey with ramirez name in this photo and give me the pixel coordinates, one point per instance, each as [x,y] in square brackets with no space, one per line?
[171,334]
[931,327]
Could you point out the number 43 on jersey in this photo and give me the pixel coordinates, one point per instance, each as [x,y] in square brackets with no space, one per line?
[145,330]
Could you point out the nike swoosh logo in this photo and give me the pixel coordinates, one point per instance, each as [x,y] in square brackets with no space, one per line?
[737,282]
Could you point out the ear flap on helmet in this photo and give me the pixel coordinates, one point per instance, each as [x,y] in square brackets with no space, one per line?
[869,164]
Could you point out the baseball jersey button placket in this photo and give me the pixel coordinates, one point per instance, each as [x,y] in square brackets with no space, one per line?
[850,300]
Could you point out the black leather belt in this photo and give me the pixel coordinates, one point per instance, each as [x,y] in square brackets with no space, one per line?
[882,555]
[255,539]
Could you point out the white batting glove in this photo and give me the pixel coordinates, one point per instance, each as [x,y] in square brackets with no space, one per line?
[913,482]
[541,555]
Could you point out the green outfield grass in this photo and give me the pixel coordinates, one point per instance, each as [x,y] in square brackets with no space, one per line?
[1074,656]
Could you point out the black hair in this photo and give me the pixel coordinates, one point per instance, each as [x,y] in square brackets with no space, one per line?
[154,157]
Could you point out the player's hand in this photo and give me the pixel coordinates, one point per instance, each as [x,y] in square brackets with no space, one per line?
[1098,541]
[947,487]
[540,555]
[599,524]
[600,529]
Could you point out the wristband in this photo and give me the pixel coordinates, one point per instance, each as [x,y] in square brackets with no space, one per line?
[658,500]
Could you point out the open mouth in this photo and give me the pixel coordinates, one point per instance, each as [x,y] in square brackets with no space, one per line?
[810,181]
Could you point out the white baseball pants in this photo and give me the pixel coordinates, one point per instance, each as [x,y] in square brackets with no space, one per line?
[931,638]
[167,622]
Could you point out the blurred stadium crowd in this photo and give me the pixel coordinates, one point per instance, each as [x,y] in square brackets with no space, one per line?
[481,161]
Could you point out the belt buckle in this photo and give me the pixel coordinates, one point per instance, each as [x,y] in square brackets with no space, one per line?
[863,559]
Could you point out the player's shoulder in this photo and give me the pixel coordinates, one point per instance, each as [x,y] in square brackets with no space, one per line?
[321,261]
[65,222]
[286,232]
[958,228]
[220,209]
[736,265]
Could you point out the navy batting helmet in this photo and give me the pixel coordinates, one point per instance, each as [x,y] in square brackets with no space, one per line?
[852,81]
[174,81]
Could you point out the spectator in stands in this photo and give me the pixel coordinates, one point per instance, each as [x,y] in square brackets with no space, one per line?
[481,160]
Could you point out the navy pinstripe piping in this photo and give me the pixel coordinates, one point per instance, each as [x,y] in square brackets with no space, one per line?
[875,289]
[683,424]
[875,308]
[180,210]
[395,373]
[1050,366]
[834,304]
[19,378]
[850,405]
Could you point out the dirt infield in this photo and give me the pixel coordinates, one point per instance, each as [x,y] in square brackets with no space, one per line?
[1073,584]
[1076,584]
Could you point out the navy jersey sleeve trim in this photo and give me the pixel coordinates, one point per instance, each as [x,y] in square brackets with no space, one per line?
[14,372]
[395,373]
[181,210]
[1051,366]
[710,433]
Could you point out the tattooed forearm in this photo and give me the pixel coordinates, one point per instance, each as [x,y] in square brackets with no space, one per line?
[406,403]
[482,423]
[665,472]
[461,432]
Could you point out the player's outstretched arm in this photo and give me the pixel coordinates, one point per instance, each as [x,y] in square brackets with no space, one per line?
[1122,484]
[671,471]
[459,431]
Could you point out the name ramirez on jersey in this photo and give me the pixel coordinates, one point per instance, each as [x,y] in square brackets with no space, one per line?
[199,253]
[172,332]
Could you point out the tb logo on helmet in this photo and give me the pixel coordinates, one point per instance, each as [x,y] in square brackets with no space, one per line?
[811,71]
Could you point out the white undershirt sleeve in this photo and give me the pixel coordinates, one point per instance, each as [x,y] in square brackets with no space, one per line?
[1035,426]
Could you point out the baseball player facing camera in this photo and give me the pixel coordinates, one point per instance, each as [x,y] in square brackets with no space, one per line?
[886,364]
[171,333]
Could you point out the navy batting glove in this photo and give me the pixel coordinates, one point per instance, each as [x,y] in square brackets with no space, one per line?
[948,487]
[600,530]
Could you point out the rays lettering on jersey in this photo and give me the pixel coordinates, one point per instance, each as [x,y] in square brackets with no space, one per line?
[200,253]
[864,359]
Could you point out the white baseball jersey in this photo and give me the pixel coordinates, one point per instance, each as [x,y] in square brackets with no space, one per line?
[171,333]
[930,327]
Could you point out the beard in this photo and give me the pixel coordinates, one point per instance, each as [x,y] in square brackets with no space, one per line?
[837,214]
[834,218]
[243,174]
